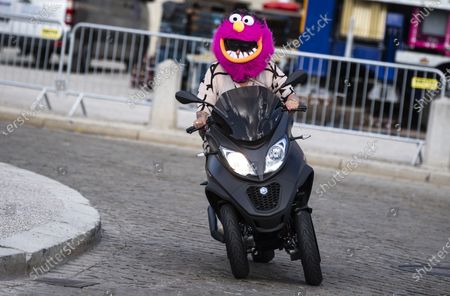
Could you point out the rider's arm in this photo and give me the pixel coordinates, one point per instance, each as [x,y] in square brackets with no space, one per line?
[278,78]
[287,93]
[207,91]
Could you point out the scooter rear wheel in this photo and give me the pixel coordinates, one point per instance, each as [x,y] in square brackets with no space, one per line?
[307,244]
[236,251]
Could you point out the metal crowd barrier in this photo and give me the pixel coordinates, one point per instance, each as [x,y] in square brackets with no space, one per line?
[366,96]
[119,64]
[32,53]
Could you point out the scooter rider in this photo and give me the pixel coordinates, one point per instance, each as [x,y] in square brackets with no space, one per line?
[243,46]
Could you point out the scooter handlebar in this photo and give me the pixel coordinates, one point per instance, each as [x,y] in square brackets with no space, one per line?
[192,129]
[302,108]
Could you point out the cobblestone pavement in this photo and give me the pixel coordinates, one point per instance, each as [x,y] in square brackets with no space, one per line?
[156,239]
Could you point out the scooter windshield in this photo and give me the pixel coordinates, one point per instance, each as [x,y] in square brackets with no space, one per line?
[249,113]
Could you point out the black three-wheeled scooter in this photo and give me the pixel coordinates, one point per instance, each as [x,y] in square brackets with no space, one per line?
[259,183]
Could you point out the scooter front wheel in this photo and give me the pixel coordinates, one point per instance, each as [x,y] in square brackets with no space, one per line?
[236,251]
[307,244]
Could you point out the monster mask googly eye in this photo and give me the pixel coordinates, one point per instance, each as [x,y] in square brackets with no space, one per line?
[248,20]
[234,18]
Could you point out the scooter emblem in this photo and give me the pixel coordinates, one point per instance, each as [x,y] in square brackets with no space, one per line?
[263,190]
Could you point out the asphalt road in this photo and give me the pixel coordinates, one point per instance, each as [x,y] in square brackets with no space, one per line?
[156,239]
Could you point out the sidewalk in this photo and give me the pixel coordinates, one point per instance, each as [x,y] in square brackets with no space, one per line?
[43,223]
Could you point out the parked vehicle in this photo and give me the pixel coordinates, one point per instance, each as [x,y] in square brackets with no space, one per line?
[124,13]
[259,183]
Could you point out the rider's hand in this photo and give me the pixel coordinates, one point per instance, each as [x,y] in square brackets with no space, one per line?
[199,123]
[201,120]
[293,102]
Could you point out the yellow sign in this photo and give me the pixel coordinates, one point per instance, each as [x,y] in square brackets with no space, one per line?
[424,83]
[51,33]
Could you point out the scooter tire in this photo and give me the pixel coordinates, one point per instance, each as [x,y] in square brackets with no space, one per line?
[309,250]
[236,250]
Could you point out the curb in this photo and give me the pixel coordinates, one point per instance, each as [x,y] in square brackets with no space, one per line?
[181,139]
[35,251]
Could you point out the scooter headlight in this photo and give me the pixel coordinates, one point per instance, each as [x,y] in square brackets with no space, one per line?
[275,156]
[238,162]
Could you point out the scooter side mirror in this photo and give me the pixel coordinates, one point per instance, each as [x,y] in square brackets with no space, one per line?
[185,97]
[298,77]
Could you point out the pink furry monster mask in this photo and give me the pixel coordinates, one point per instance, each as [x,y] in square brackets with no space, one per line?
[243,45]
